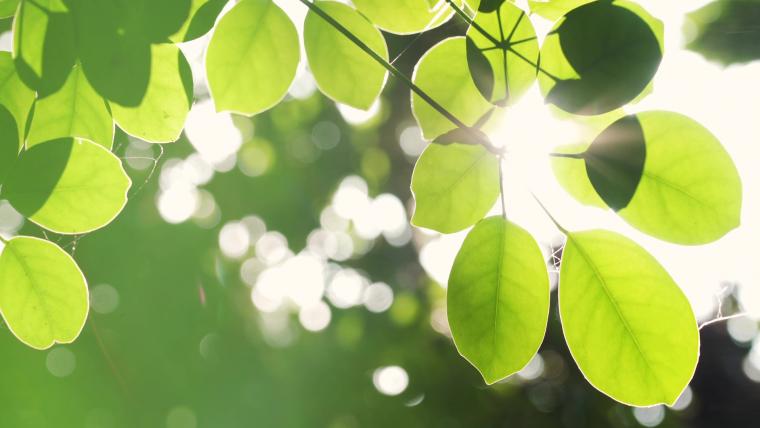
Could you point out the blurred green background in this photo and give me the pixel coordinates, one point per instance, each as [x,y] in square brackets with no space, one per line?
[178,336]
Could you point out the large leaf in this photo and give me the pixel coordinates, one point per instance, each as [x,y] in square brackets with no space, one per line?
[160,115]
[43,294]
[599,57]
[454,186]
[342,70]
[44,44]
[252,58]
[444,75]
[68,186]
[690,191]
[629,327]
[16,101]
[405,16]
[75,110]
[503,61]
[498,298]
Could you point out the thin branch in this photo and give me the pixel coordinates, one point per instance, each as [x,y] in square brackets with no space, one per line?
[548,214]
[501,188]
[472,23]
[724,318]
[388,66]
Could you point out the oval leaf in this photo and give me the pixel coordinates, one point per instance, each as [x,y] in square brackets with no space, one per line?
[203,14]
[68,186]
[342,70]
[405,16]
[160,115]
[252,58]
[600,56]
[75,110]
[507,40]
[444,75]
[498,298]
[43,294]
[629,327]
[690,191]
[454,186]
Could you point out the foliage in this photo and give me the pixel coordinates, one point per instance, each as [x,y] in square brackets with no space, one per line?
[80,66]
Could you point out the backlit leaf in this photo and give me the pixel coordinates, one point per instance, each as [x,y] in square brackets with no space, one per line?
[203,14]
[16,101]
[629,327]
[444,75]
[252,57]
[454,186]
[8,7]
[342,70]
[498,298]
[554,9]
[511,50]
[43,294]
[68,186]
[600,56]
[405,16]
[160,115]
[75,110]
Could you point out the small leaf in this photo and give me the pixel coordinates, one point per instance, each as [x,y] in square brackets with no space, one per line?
[690,191]
[44,44]
[8,8]
[444,75]
[454,186]
[252,58]
[498,298]
[615,162]
[160,115]
[629,327]
[203,14]
[68,186]
[75,110]
[510,48]
[554,9]
[16,101]
[342,70]
[43,294]
[404,16]
[599,57]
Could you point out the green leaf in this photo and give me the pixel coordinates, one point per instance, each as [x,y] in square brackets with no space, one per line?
[160,115]
[498,298]
[252,58]
[629,327]
[203,14]
[454,186]
[405,16]
[554,9]
[342,70]
[726,31]
[510,47]
[690,192]
[75,110]
[43,294]
[571,175]
[44,44]
[8,8]
[68,186]
[16,101]
[599,57]
[444,75]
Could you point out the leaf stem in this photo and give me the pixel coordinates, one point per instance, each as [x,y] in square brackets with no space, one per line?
[568,155]
[501,187]
[474,24]
[3,240]
[548,214]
